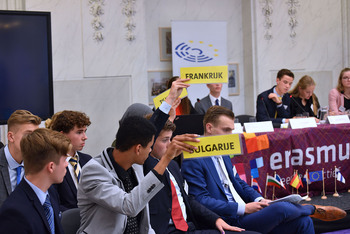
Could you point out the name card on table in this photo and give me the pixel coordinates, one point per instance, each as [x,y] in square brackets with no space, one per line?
[238,128]
[215,145]
[302,123]
[255,127]
[338,119]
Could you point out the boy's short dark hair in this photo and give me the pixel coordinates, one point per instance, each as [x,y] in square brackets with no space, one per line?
[284,72]
[134,130]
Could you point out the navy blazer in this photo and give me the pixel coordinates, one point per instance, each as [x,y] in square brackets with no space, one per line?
[266,108]
[22,212]
[160,204]
[205,185]
[205,103]
[67,190]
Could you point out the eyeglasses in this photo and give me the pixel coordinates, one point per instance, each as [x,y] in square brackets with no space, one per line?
[346,78]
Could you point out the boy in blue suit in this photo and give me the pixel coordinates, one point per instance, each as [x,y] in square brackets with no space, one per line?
[33,207]
[212,182]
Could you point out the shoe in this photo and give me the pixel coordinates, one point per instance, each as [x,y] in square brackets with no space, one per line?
[328,213]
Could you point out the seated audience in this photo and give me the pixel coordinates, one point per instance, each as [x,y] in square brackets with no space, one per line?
[274,104]
[11,160]
[33,207]
[185,107]
[73,124]
[303,98]
[193,215]
[339,98]
[213,99]
[212,181]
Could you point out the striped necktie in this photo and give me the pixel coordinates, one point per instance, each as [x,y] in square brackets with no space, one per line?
[74,162]
[49,214]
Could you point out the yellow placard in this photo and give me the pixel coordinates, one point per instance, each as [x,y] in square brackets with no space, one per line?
[216,145]
[206,75]
[161,97]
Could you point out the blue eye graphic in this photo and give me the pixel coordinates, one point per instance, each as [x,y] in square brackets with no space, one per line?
[192,54]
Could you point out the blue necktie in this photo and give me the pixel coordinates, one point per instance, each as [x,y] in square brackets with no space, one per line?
[217,102]
[19,170]
[49,214]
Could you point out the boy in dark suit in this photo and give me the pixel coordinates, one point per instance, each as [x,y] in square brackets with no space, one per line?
[33,207]
[73,124]
[274,104]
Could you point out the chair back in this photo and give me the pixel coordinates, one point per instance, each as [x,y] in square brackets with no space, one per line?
[71,221]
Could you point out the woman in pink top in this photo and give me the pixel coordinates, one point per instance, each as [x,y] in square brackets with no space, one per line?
[339,98]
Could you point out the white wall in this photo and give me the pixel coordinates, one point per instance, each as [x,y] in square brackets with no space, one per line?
[103,78]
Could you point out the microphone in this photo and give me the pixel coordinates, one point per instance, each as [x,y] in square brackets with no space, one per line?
[295,101]
[267,112]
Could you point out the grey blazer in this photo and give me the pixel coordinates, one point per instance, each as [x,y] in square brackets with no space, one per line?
[5,183]
[104,205]
[203,105]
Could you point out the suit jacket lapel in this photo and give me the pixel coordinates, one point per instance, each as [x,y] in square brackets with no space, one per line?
[70,182]
[214,173]
[36,203]
[4,171]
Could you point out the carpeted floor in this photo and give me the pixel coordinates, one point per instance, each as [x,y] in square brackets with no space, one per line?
[336,227]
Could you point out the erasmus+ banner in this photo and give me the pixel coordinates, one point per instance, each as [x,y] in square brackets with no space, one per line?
[199,44]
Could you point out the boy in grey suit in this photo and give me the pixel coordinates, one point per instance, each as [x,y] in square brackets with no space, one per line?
[213,99]
[21,122]
[113,193]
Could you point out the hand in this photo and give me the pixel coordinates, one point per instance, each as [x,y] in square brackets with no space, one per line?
[221,225]
[265,202]
[172,112]
[275,98]
[176,89]
[253,207]
[178,145]
[316,119]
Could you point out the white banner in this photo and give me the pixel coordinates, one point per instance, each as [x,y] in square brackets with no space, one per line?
[199,44]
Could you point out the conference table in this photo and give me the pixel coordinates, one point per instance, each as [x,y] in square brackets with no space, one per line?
[324,147]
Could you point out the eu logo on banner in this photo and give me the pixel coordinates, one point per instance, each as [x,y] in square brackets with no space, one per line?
[315,176]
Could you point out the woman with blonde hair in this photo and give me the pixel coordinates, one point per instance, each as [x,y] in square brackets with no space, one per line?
[339,98]
[303,98]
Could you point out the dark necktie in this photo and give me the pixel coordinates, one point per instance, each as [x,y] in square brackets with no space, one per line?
[217,102]
[49,214]
[131,225]
[176,213]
